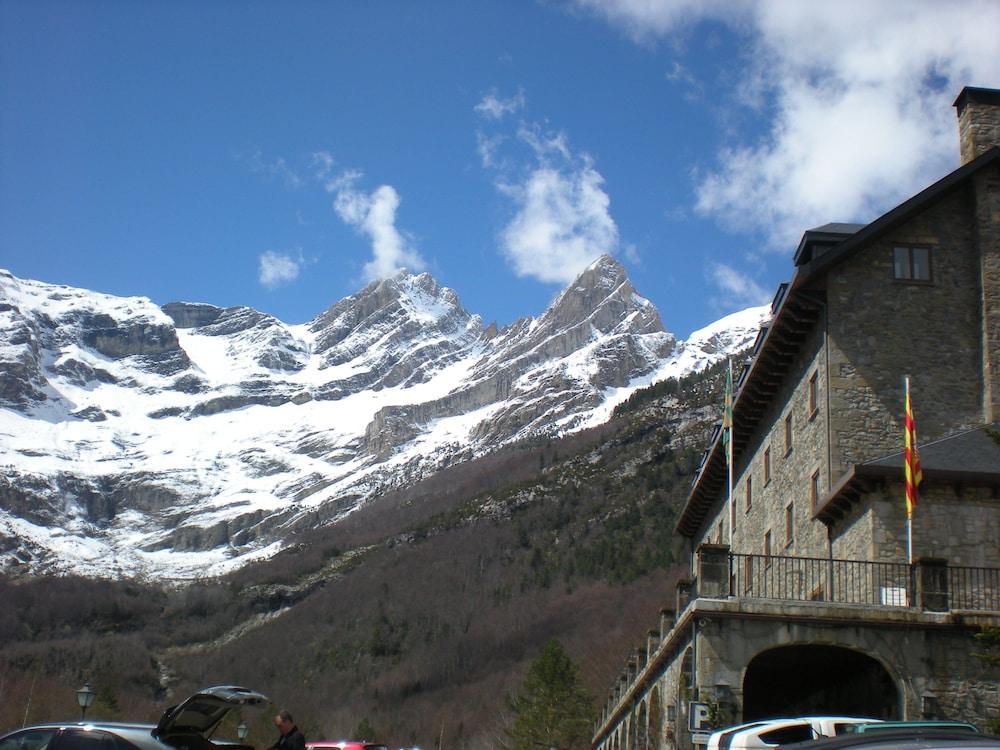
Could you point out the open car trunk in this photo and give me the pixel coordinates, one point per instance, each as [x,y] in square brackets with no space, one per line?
[189,725]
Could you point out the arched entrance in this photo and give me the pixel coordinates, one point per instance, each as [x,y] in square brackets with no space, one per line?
[813,680]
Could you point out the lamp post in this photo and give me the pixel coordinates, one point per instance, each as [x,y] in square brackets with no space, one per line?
[242,730]
[84,697]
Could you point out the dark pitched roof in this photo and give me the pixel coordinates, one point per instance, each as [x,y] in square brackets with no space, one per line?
[971,451]
[967,457]
[816,241]
[821,263]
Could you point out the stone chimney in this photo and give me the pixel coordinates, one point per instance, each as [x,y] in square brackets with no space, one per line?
[978,121]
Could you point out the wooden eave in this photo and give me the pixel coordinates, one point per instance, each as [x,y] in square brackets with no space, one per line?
[860,480]
[793,323]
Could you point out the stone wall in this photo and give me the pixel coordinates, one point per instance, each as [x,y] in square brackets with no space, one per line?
[790,471]
[987,191]
[928,658]
[881,329]
[961,529]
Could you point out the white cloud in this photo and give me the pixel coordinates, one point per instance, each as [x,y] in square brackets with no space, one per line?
[859,94]
[645,20]
[738,288]
[561,219]
[374,215]
[494,107]
[275,269]
[562,223]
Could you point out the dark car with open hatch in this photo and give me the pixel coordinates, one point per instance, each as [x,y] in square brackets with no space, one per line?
[186,726]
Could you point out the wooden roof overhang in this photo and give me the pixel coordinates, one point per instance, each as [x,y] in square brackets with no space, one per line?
[862,479]
[774,353]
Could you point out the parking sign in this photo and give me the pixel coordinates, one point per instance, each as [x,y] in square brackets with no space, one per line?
[697,716]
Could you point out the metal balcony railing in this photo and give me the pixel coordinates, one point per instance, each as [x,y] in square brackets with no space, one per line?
[974,588]
[935,587]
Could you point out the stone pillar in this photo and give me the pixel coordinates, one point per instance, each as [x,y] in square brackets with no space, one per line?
[666,621]
[713,571]
[652,643]
[932,584]
[684,590]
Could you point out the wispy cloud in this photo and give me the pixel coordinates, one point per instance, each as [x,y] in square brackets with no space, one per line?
[561,217]
[371,214]
[273,169]
[495,107]
[374,215]
[859,96]
[738,288]
[275,269]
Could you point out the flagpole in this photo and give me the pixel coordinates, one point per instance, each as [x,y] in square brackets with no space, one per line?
[729,462]
[906,458]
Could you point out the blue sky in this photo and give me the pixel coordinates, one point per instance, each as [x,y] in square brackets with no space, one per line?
[281,155]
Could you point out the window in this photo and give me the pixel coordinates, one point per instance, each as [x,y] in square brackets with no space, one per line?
[787,735]
[749,493]
[813,394]
[788,434]
[84,739]
[767,547]
[789,525]
[767,465]
[911,263]
[30,739]
[814,491]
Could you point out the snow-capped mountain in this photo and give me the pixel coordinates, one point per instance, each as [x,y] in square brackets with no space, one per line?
[190,439]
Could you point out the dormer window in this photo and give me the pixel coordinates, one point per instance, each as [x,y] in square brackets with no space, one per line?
[911,263]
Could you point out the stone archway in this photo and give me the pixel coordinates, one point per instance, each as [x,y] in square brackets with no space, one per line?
[641,728]
[655,719]
[807,679]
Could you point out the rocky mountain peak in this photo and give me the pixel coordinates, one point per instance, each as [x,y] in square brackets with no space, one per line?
[603,296]
[216,432]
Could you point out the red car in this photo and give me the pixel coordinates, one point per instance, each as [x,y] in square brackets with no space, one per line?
[344,745]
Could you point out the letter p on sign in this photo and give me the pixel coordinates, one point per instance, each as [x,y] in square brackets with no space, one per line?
[697,716]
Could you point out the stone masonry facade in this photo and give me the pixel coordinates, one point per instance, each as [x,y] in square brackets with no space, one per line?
[819,575]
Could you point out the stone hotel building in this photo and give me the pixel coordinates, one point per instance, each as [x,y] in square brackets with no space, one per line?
[802,597]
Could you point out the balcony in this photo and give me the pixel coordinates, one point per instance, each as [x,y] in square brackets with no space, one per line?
[929,584]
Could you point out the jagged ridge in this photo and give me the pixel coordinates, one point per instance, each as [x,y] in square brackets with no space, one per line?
[190,438]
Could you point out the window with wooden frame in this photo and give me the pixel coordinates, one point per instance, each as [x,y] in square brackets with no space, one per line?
[814,394]
[814,490]
[749,496]
[788,434]
[789,525]
[911,263]
[767,465]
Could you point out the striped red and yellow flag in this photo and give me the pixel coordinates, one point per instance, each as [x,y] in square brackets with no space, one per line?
[911,458]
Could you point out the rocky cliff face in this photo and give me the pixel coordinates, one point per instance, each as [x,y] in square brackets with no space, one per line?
[192,438]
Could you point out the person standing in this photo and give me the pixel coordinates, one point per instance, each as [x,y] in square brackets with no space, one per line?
[291,738]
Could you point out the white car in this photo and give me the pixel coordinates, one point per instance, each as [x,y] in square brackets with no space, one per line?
[767,733]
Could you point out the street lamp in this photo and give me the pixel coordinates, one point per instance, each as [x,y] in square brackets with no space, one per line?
[85,696]
[242,730]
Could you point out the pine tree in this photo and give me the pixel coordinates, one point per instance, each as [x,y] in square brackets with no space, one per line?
[365,730]
[552,708]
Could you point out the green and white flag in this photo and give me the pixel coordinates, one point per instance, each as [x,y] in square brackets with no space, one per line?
[727,416]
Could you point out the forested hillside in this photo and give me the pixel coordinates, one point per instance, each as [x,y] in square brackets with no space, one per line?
[419,612]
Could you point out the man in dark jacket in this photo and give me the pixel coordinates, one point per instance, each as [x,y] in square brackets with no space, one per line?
[291,738]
